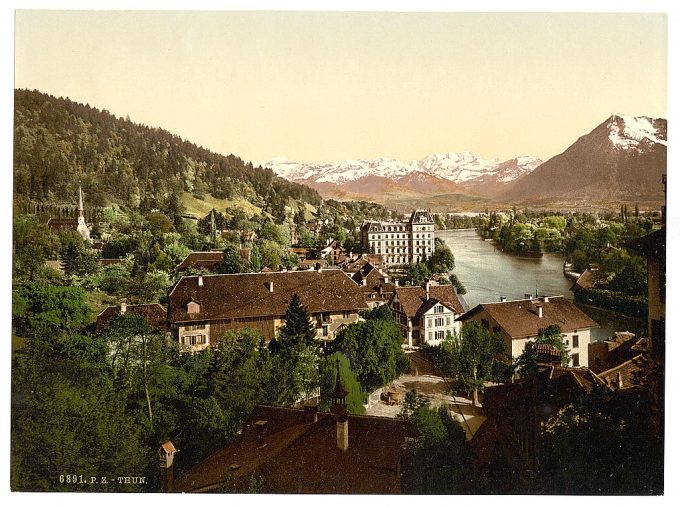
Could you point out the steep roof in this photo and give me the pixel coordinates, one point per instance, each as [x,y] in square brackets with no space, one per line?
[201,260]
[520,318]
[413,298]
[626,374]
[419,214]
[155,314]
[587,279]
[302,457]
[247,295]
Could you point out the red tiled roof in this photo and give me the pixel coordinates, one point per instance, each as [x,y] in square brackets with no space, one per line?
[626,374]
[248,295]
[302,457]
[520,318]
[413,298]
[155,314]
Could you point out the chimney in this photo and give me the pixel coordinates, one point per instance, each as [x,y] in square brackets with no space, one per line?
[540,311]
[619,380]
[546,299]
[503,299]
[200,280]
[396,282]
[123,307]
[166,453]
[342,433]
[311,411]
[363,282]
[270,286]
[427,290]
[261,429]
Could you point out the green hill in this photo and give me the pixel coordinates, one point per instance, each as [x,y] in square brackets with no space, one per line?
[60,144]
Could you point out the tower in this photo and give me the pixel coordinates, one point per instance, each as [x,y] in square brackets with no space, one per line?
[339,410]
[82,228]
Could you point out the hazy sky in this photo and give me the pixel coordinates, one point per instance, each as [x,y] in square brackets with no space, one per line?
[333,86]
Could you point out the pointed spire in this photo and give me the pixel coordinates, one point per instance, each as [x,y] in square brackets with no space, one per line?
[81,211]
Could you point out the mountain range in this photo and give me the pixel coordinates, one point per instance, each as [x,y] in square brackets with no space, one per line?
[622,158]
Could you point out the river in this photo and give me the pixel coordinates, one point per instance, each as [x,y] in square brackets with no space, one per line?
[488,274]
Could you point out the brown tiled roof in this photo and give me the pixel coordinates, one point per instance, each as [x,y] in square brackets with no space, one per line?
[520,318]
[302,457]
[202,260]
[247,295]
[155,314]
[626,374]
[412,298]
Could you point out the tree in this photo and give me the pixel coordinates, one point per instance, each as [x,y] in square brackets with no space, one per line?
[527,362]
[160,223]
[232,262]
[373,348]
[33,244]
[417,274]
[439,461]
[330,367]
[48,314]
[298,327]
[137,354]
[455,281]
[272,254]
[442,260]
[77,255]
[469,358]
[240,370]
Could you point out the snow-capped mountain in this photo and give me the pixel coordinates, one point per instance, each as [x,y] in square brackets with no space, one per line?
[439,173]
[622,158]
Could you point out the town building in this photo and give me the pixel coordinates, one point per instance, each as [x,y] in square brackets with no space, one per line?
[201,308]
[155,314]
[209,260]
[520,321]
[375,284]
[303,451]
[401,242]
[622,346]
[334,253]
[426,315]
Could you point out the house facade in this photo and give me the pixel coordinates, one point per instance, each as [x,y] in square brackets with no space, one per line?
[202,308]
[519,322]
[426,315]
[374,284]
[401,242]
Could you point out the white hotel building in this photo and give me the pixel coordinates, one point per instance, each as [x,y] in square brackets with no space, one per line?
[401,242]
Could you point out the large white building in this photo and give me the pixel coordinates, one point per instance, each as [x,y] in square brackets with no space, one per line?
[401,242]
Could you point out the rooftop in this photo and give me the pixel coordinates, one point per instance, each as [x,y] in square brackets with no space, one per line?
[520,319]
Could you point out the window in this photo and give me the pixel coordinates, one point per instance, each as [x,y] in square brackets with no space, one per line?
[439,321]
[199,339]
[485,323]
[574,341]
[497,329]
[325,330]
[429,335]
[346,313]
[574,360]
[195,327]
[429,322]
[448,321]
[439,309]
[439,335]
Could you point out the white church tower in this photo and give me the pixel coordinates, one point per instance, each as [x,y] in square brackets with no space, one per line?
[83,229]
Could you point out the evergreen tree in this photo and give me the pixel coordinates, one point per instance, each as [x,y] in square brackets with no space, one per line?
[298,327]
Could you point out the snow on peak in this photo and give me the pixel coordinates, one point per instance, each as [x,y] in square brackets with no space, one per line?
[627,132]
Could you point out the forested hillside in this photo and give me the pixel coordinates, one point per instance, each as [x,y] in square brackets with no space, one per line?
[59,144]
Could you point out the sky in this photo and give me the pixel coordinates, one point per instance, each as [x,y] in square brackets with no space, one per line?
[330,86]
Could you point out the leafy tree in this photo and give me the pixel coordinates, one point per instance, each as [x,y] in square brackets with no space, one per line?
[442,260]
[609,437]
[417,274]
[232,262]
[272,254]
[160,223]
[373,348]
[469,358]
[138,354]
[412,402]
[48,314]
[329,367]
[77,255]
[33,245]
[455,281]
[240,371]
[440,459]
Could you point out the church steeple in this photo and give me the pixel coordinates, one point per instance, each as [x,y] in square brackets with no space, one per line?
[81,210]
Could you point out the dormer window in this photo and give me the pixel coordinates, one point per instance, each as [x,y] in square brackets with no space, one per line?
[193,307]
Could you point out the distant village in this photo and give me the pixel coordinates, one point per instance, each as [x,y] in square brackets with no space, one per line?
[301,449]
